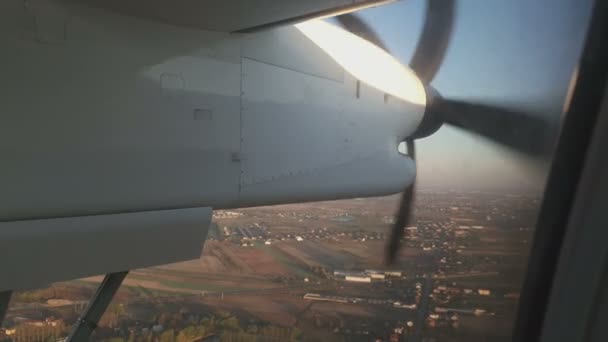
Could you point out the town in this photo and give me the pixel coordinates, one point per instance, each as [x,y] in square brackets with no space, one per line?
[316,272]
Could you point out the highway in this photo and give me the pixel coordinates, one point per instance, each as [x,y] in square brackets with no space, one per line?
[466,275]
[423,309]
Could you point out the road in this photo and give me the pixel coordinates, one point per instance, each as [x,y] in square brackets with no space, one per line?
[423,309]
[466,275]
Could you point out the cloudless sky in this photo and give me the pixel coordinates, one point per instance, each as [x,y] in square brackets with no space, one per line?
[505,52]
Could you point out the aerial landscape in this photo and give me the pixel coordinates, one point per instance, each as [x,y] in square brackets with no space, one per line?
[316,272]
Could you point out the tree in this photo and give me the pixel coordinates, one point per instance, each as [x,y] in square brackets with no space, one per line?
[116,339]
[164,319]
[231,323]
[296,334]
[167,336]
[116,310]
[208,322]
[252,329]
[191,332]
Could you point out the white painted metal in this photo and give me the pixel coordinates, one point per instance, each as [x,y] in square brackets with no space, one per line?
[102,113]
[219,15]
[107,121]
[37,252]
[288,48]
[129,115]
[338,146]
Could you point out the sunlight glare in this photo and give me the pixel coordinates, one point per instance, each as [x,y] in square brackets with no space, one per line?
[365,61]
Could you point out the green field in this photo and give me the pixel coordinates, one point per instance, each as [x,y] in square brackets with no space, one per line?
[201,287]
[286,262]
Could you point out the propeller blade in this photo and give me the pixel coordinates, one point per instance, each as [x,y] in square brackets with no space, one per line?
[433,42]
[524,132]
[426,62]
[404,214]
[356,25]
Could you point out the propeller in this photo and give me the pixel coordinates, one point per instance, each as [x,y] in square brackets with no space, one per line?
[404,213]
[521,131]
[518,130]
[426,62]
[359,27]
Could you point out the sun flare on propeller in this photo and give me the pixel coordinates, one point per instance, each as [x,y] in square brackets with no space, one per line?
[365,61]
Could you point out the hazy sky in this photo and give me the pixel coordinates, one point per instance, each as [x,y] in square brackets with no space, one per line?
[515,51]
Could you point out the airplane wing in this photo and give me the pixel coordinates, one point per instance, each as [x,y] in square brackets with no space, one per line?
[232,15]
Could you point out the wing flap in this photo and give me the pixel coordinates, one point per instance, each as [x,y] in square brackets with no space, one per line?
[34,253]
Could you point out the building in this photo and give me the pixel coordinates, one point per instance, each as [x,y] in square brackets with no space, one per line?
[479,312]
[375,274]
[358,278]
[483,292]
[388,219]
[208,338]
[9,332]
[340,273]
[224,214]
[405,306]
[315,296]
